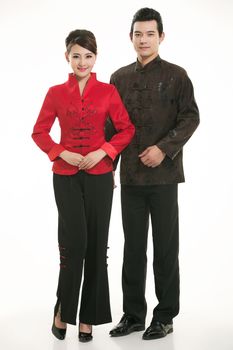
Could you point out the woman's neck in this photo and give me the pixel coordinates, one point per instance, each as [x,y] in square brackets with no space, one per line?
[82,83]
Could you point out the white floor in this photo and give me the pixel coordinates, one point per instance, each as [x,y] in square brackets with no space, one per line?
[30,330]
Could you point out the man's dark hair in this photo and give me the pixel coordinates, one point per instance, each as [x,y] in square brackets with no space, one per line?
[82,37]
[147,14]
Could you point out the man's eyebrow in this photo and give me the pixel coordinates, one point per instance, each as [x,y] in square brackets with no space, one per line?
[148,31]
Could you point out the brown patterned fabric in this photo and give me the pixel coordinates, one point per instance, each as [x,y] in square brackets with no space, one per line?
[160,100]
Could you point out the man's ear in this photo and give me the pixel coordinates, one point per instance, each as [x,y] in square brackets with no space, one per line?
[161,38]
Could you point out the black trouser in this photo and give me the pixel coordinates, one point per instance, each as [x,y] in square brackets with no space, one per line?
[84,206]
[160,201]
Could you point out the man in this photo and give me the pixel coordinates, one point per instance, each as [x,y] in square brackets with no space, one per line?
[160,100]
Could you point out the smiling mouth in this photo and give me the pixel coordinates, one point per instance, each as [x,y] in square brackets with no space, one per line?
[82,69]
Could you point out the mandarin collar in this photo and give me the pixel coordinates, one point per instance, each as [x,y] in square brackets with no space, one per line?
[73,82]
[139,67]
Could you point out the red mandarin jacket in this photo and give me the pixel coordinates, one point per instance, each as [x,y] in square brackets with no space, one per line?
[82,122]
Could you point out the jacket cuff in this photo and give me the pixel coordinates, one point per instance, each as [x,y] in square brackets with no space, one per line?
[55,151]
[110,150]
[167,151]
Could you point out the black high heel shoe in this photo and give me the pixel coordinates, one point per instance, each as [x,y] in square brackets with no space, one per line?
[59,333]
[85,337]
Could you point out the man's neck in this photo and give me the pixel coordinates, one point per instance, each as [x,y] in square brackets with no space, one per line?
[146,60]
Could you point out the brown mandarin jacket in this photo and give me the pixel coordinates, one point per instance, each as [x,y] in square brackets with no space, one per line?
[160,101]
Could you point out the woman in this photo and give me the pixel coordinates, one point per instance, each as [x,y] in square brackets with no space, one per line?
[83,182]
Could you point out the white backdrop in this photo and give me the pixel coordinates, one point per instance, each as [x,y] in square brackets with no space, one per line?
[199,38]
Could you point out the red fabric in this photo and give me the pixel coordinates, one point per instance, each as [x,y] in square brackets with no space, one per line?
[82,121]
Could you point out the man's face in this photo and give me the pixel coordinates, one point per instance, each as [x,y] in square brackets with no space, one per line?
[146,40]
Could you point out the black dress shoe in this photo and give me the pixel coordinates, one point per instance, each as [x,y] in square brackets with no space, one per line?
[157,330]
[85,337]
[59,333]
[127,325]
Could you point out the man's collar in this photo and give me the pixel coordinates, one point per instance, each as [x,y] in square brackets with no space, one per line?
[140,67]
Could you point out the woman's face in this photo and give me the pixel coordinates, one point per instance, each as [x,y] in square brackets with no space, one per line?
[81,61]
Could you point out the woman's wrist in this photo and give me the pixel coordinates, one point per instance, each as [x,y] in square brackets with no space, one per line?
[63,153]
[102,152]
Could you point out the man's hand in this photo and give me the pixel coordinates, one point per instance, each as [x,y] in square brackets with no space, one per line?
[91,159]
[152,156]
[71,157]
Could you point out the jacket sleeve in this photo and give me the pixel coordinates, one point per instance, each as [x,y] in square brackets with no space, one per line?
[186,122]
[124,128]
[43,126]
[109,132]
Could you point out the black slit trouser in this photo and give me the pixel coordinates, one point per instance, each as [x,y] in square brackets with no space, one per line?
[84,206]
[138,203]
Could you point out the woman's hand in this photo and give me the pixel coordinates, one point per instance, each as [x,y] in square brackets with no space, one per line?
[91,159]
[71,157]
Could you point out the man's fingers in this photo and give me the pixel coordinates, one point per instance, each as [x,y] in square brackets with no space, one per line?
[145,160]
[143,153]
[149,163]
